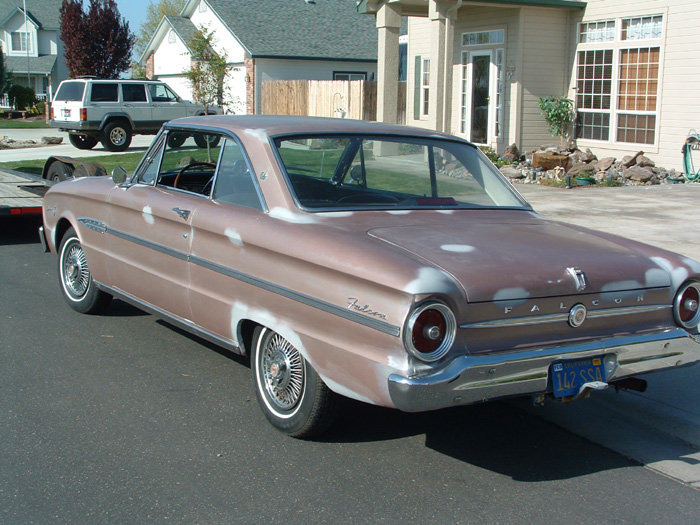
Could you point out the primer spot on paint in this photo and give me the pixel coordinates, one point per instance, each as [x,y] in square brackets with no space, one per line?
[678,275]
[457,248]
[620,285]
[283,214]
[446,212]
[430,280]
[257,133]
[233,236]
[399,212]
[337,214]
[692,264]
[148,215]
[510,293]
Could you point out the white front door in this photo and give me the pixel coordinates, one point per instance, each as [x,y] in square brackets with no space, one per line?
[479,96]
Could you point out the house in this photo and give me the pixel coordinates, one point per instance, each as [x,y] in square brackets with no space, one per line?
[267,40]
[31,44]
[477,69]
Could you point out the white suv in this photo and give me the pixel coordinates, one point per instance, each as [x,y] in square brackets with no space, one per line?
[111,111]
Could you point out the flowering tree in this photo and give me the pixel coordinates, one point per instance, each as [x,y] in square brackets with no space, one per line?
[97,41]
[209,70]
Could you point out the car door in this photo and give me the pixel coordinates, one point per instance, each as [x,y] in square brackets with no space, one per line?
[150,223]
[225,259]
[137,106]
[165,104]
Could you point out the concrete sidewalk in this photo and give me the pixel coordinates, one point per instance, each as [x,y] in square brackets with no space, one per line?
[139,143]
[660,428]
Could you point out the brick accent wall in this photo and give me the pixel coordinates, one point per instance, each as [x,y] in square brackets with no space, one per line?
[150,66]
[250,86]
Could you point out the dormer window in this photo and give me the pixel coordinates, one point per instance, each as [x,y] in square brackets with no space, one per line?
[202,7]
[21,41]
[171,37]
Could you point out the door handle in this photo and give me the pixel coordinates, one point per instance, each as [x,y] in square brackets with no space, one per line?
[185,214]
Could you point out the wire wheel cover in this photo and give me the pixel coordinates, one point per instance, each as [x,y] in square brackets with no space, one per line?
[282,372]
[76,274]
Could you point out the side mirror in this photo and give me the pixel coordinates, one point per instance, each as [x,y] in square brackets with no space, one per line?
[118,175]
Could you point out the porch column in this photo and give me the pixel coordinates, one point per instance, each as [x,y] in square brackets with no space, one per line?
[438,30]
[388,25]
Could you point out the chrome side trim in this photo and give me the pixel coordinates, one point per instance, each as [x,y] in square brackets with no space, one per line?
[474,378]
[180,323]
[302,298]
[555,318]
[97,226]
[340,311]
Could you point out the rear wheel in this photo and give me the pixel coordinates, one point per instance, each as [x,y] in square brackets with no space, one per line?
[59,171]
[77,285]
[116,136]
[291,394]
[201,140]
[82,141]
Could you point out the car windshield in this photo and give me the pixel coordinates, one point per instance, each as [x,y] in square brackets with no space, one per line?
[331,172]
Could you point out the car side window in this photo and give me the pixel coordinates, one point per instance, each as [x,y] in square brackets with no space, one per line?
[151,164]
[104,92]
[234,181]
[160,93]
[134,92]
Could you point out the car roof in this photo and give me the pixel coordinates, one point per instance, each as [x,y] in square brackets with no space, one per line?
[273,125]
[121,80]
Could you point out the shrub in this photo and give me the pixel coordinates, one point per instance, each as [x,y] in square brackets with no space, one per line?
[559,113]
[22,97]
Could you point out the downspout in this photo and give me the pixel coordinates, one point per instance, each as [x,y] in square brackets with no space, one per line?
[447,71]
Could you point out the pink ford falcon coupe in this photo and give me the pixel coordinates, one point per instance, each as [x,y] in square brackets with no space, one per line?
[390,265]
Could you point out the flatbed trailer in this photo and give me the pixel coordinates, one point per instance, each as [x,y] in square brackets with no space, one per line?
[21,193]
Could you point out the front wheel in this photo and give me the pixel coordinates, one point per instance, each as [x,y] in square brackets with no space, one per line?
[291,394]
[116,136]
[77,285]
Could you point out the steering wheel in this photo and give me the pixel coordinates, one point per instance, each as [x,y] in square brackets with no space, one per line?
[191,165]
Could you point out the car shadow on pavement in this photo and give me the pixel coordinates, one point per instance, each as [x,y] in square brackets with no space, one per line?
[20,230]
[495,436]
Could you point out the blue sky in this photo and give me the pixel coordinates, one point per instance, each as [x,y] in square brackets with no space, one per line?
[133,11]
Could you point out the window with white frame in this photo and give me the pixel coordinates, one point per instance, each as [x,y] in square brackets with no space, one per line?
[172,37]
[21,41]
[425,87]
[617,79]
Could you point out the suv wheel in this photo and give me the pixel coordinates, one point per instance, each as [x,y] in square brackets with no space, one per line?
[116,136]
[201,140]
[82,141]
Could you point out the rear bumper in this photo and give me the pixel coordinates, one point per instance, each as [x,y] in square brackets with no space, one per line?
[81,126]
[471,379]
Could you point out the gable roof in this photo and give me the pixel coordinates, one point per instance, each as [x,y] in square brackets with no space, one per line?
[184,28]
[45,13]
[323,30]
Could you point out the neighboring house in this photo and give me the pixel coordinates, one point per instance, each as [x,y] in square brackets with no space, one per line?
[267,40]
[477,69]
[33,51]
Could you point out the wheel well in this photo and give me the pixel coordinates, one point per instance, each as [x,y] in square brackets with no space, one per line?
[123,120]
[61,229]
[246,330]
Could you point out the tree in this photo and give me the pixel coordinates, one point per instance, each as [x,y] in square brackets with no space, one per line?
[97,41]
[154,14]
[209,70]
[5,80]
[559,113]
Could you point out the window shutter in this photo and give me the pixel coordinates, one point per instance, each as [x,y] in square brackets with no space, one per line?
[416,88]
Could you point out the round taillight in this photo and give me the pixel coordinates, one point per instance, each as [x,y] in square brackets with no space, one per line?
[430,331]
[685,307]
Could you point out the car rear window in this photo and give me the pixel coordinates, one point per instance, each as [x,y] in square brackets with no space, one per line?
[70,92]
[104,93]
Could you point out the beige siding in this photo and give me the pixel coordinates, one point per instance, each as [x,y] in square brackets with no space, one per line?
[418,44]
[545,69]
[679,109]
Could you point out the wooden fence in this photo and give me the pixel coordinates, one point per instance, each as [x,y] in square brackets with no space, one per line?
[325,98]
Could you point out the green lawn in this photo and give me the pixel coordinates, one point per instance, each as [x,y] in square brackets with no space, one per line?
[128,161]
[22,124]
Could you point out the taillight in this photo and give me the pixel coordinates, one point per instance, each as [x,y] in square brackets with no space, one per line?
[430,331]
[685,306]
[83,113]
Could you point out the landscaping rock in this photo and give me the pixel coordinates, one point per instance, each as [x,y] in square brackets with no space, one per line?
[588,156]
[511,154]
[512,173]
[51,140]
[630,160]
[581,167]
[605,164]
[645,162]
[549,161]
[638,174]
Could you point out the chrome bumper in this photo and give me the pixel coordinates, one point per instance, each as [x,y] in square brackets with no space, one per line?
[42,238]
[471,379]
